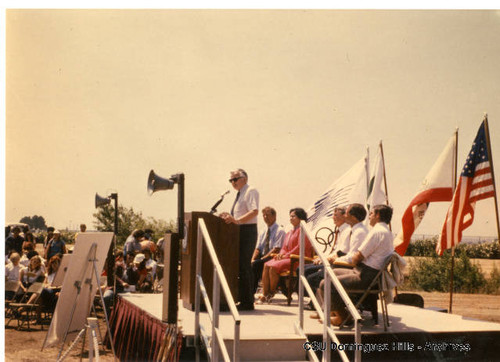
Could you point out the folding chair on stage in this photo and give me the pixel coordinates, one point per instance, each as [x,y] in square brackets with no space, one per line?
[367,299]
[288,281]
[25,312]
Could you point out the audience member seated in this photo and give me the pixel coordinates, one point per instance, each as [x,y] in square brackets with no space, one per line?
[120,274]
[12,271]
[281,262]
[140,273]
[33,273]
[27,254]
[50,292]
[120,283]
[150,264]
[159,250]
[52,268]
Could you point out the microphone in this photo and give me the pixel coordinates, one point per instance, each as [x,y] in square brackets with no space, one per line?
[214,208]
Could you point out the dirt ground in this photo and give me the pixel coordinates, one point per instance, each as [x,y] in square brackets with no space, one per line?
[24,346]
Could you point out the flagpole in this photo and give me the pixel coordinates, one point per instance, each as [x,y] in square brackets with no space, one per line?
[385,179]
[454,183]
[487,131]
[367,166]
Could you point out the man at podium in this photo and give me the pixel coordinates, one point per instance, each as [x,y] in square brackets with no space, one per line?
[244,213]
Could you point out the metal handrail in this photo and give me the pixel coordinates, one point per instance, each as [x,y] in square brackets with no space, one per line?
[330,277]
[219,280]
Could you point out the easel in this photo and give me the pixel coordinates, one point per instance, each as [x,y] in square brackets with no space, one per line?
[80,283]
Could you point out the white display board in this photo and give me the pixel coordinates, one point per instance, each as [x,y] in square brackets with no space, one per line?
[61,272]
[79,287]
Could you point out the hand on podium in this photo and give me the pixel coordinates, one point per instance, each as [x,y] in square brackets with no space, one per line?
[228,218]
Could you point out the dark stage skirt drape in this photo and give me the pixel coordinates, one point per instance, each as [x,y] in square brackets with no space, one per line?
[138,336]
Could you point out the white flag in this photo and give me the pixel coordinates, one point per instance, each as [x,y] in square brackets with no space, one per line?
[349,188]
[376,189]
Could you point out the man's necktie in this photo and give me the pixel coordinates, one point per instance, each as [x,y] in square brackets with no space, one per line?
[234,204]
[266,241]
[336,237]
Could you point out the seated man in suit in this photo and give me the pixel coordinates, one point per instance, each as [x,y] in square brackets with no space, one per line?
[367,261]
[269,242]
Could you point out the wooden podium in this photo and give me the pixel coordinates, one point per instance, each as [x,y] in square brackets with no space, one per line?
[225,238]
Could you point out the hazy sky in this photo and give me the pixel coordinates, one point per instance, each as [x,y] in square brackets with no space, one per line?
[95,99]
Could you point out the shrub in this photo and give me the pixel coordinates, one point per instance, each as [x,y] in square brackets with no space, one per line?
[424,247]
[493,284]
[433,274]
[427,247]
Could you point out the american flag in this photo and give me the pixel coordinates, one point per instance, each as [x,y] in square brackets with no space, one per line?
[475,183]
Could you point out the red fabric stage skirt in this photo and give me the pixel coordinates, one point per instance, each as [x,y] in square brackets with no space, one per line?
[139,336]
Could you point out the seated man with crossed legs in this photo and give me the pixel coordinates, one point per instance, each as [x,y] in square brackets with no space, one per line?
[368,260]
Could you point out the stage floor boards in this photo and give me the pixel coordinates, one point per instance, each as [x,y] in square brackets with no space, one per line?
[279,319]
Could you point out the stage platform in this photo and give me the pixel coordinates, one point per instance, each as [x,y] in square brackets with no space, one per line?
[414,334]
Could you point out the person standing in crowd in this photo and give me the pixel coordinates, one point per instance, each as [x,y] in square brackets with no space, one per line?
[244,213]
[14,242]
[55,246]
[368,259]
[83,229]
[270,242]
[29,240]
[133,242]
[147,241]
[48,238]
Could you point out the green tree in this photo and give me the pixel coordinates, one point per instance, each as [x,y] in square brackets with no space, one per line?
[34,222]
[128,220]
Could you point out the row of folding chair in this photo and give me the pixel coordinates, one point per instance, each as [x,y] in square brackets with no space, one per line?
[25,313]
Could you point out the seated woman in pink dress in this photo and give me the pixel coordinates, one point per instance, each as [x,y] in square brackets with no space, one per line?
[281,262]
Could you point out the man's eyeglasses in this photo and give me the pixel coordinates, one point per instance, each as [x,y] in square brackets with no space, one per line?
[234,179]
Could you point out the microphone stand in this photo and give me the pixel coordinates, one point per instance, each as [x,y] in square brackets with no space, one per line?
[214,208]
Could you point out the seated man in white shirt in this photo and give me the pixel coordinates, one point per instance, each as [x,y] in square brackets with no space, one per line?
[351,233]
[314,272]
[368,260]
